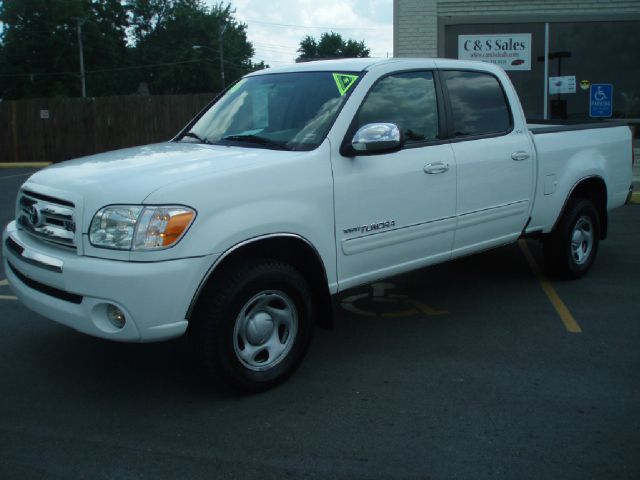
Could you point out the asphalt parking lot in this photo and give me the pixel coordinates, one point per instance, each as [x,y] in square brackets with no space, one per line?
[463,370]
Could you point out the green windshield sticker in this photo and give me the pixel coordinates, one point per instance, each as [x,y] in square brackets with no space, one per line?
[344,82]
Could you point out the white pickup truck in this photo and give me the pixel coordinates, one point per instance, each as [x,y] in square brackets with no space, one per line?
[296,184]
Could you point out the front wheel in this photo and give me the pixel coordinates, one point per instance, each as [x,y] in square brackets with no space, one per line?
[572,247]
[253,324]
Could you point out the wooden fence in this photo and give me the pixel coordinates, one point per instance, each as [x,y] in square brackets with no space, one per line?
[52,130]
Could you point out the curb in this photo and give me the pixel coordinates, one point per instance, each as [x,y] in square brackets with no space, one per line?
[24,164]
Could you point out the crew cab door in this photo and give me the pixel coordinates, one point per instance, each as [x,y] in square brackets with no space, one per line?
[395,211]
[495,161]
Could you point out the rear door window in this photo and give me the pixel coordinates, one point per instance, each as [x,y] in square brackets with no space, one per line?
[478,104]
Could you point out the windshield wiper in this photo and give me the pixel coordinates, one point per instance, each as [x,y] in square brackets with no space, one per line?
[258,140]
[197,137]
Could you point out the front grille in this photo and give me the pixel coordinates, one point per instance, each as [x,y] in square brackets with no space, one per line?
[47,198]
[48,218]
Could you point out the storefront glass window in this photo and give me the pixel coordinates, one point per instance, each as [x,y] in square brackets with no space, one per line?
[596,52]
[592,52]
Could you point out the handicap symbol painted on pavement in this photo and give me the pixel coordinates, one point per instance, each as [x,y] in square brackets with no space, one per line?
[379,303]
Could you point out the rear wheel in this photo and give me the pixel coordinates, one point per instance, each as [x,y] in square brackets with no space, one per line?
[253,324]
[572,247]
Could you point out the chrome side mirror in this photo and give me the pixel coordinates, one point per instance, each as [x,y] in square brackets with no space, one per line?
[376,137]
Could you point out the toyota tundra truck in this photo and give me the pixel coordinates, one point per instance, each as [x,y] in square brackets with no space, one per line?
[295,184]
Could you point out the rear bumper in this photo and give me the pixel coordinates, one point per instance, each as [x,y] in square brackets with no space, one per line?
[75,290]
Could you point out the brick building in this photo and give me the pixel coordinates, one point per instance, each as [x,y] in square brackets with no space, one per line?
[556,52]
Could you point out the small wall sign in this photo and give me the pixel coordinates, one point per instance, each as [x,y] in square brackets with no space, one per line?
[601,100]
[562,85]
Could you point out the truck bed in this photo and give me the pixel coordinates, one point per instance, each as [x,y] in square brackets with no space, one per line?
[570,153]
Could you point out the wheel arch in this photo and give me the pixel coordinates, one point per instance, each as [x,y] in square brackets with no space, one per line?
[292,249]
[593,189]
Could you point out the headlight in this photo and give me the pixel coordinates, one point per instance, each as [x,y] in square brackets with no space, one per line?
[126,227]
[114,227]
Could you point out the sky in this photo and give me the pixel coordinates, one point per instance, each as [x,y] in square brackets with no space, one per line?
[276,27]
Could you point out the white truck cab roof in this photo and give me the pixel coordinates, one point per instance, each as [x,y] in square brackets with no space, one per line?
[366,64]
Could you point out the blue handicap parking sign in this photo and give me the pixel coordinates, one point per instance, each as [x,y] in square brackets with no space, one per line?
[601,100]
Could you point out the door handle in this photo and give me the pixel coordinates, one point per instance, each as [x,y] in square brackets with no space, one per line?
[519,156]
[436,167]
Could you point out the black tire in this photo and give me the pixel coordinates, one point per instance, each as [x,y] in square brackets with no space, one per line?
[253,324]
[567,258]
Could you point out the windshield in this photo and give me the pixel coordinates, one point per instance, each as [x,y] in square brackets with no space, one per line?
[286,111]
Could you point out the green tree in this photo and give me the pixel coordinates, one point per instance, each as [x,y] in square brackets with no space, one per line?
[4,67]
[330,45]
[41,48]
[126,43]
[36,36]
[105,49]
[146,14]
[167,31]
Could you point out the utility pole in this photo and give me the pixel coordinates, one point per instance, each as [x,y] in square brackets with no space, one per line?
[221,29]
[80,21]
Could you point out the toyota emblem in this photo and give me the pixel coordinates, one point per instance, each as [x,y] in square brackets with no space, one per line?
[33,214]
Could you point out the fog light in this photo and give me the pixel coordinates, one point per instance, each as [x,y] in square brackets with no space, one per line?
[116,317]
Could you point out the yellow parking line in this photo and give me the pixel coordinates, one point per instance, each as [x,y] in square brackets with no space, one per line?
[7,297]
[4,282]
[565,315]
[635,198]
[24,164]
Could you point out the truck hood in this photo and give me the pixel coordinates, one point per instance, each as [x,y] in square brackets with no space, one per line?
[132,174]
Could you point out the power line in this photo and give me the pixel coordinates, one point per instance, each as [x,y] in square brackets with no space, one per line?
[267,61]
[48,74]
[274,47]
[102,70]
[290,45]
[306,27]
[274,53]
[119,69]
